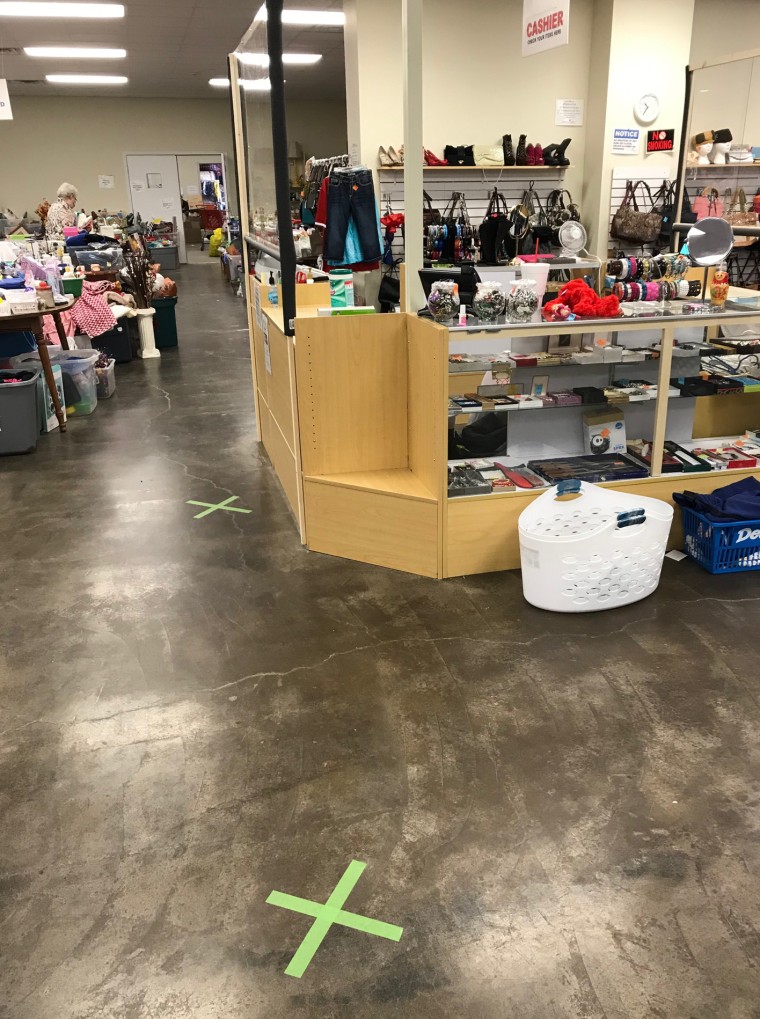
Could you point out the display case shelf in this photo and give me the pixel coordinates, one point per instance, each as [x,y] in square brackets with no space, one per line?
[528,170]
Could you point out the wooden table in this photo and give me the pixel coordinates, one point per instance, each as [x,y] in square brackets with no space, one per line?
[32,323]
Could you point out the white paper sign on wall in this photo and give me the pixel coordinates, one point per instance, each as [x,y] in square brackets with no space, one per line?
[546,24]
[569,112]
[626,141]
[105,180]
[5,103]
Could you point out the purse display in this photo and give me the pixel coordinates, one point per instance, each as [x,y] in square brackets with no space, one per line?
[708,203]
[737,214]
[633,224]
[494,229]
[389,294]
[454,238]
[459,155]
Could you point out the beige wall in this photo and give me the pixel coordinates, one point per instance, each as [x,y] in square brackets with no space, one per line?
[722,29]
[76,139]
[476,84]
[58,139]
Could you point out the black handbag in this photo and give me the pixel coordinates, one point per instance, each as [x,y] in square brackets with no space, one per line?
[430,216]
[664,202]
[459,155]
[494,229]
[389,294]
[688,215]
[458,235]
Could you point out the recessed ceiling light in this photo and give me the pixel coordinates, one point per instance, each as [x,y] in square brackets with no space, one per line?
[18,9]
[262,59]
[250,85]
[78,52]
[86,79]
[295,17]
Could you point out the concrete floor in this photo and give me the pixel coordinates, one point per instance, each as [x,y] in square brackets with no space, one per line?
[561,812]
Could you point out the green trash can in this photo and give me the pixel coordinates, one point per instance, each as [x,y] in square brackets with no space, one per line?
[165,322]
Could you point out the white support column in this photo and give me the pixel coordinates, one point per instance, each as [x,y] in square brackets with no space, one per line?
[411,14]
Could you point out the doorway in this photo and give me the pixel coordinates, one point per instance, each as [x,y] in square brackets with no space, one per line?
[162,184]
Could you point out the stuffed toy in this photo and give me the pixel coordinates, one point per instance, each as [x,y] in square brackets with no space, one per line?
[577,300]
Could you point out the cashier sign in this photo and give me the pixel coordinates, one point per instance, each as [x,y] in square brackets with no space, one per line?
[546,24]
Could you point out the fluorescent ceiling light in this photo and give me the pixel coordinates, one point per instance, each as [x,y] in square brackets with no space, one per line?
[29,9]
[86,79]
[78,52]
[295,17]
[262,59]
[252,85]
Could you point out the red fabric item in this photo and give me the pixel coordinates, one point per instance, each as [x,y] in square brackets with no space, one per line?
[578,298]
[91,314]
[50,331]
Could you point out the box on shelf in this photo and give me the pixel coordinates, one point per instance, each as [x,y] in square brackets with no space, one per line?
[604,432]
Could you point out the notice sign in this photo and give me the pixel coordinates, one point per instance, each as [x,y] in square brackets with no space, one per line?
[661,141]
[625,141]
[5,102]
[568,113]
[105,180]
[546,24]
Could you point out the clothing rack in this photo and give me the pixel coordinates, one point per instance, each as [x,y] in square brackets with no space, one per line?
[318,170]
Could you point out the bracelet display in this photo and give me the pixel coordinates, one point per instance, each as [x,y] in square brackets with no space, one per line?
[670,266]
[663,290]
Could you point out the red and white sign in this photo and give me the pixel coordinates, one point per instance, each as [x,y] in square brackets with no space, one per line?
[546,24]
[661,141]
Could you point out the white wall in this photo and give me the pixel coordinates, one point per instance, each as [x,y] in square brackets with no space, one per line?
[722,29]
[319,126]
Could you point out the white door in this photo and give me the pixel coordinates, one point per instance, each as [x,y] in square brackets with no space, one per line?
[154,190]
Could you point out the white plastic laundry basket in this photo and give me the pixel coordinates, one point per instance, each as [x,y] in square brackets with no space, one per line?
[597,551]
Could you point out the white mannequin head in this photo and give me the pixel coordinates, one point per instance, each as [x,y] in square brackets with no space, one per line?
[719,152]
[703,151]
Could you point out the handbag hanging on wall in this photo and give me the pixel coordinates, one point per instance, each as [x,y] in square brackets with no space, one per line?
[558,213]
[540,230]
[633,224]
[430,216]
[494,229]
[664,202]
[390,287]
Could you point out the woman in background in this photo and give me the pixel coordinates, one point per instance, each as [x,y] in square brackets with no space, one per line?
[62,213]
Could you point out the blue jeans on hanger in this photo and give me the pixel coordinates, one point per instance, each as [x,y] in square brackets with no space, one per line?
[352,196]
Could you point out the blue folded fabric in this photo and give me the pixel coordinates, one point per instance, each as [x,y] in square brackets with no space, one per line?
[738,501]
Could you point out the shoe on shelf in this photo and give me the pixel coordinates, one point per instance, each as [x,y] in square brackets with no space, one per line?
[554,155]
[432,160]
[509,152]
[530,155]
[538,156]
[397,158]
[521,156]
[383,158]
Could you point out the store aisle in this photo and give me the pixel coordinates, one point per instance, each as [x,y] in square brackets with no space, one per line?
[561,812]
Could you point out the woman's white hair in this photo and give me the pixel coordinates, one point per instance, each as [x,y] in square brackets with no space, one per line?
[67,189]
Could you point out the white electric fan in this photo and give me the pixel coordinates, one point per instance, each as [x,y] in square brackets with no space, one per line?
[572,237]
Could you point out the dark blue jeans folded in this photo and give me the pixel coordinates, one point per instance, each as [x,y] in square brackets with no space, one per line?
[352,196]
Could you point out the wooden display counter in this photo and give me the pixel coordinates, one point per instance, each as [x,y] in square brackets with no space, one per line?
[353,414]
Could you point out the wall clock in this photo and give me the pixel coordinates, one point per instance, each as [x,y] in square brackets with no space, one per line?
[647,109]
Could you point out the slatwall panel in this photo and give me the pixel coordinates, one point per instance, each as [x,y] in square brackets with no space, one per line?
[476,185]
[744,263]
[654,177]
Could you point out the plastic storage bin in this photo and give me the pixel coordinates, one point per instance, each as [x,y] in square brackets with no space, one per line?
[19,423]
[106,380]
[721,548]
[598,551]
[117,342]
[165,322]
[80,387]
[167,256]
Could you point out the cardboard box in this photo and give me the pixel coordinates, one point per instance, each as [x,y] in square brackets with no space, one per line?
[604,431]
[45,408]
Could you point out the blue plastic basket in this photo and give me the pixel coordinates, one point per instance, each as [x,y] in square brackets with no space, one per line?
[721,548]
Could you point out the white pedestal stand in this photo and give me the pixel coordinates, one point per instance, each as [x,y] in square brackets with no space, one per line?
[148,347]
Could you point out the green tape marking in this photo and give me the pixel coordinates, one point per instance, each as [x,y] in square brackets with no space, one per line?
[219,506]
[327,914]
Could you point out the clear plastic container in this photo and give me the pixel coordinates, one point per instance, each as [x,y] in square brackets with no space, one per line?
[106,380]
[80,384]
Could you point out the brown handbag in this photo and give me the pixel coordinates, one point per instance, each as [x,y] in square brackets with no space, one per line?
[430,216]
[737,214]
[632,224]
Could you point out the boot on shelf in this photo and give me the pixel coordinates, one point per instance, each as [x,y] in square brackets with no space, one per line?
[509,152]
[521,156]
